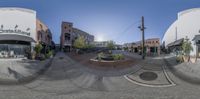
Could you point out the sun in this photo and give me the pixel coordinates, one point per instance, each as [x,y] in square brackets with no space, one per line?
[100,37]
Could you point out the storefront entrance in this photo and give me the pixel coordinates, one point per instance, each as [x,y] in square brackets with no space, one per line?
[14,49]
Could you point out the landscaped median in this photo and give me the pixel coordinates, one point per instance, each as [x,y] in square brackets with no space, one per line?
[18,71]
[187,71]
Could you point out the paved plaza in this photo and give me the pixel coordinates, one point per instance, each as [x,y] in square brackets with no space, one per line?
[13,71]
[67,79]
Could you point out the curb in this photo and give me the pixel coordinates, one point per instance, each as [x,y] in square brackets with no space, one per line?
[171,83]
[27,79]
[182,75]
[148,85]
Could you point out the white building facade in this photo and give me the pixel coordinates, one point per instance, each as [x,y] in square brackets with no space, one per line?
[186,26]
[17,31]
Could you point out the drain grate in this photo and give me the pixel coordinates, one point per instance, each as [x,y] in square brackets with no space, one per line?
[148,76]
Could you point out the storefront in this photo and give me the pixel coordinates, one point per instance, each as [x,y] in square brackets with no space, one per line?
[196,39]
[15,46]
[17,32]
[187,26]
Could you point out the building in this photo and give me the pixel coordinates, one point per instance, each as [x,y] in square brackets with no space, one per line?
[44,36]
[152,46]
[187,26]
[128,46]
[102,44]
[69,34]
[19,32]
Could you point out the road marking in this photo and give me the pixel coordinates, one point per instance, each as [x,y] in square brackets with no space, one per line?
[147,85]
[166,75]
[150,85]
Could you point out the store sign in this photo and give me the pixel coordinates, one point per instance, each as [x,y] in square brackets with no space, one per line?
[15,31]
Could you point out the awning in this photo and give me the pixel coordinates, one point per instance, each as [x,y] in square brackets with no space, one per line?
[16,37]
[197,37]
[176,43]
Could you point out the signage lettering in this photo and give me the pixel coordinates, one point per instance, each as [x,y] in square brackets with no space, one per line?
[15,31]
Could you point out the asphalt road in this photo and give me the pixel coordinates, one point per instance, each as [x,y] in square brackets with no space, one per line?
[67,79]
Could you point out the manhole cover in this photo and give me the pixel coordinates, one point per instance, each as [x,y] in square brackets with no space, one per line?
[148,76]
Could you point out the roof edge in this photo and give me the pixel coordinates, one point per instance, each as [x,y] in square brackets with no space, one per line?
[18,8]
[187,11]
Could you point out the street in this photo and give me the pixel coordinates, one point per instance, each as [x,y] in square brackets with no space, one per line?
[66,79]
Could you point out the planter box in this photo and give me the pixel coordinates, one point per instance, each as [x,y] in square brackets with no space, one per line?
[186,58]
[193,59]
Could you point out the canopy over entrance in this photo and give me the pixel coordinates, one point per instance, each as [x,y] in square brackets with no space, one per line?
[16,37]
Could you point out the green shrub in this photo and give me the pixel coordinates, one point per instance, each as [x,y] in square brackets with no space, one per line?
[121,56]
[100,55]
[118,57]
[38,49]
[49,54]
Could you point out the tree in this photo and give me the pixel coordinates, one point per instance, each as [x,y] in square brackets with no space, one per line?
[89,46]
[79,43]
[187,47]
[110,45]
[38,49]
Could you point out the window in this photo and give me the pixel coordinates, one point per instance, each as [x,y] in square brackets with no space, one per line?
[70,25]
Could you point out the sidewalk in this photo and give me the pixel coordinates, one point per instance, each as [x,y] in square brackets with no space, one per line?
[189,72]
[152,72]
[16,71]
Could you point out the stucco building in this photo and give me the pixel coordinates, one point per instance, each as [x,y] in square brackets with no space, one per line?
[20,31]
[152,46]
[187,26]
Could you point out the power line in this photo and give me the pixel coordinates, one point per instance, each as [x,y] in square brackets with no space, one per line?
[126,29]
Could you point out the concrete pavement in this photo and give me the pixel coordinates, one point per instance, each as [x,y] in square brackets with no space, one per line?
[16,71]
[66,79]
[189,72]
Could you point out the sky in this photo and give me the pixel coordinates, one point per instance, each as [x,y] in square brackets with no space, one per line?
[116,20]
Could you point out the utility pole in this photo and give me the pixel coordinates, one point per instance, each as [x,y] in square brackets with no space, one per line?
[142,28]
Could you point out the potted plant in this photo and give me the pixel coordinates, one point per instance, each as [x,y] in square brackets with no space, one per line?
[33,55]
[193,59]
